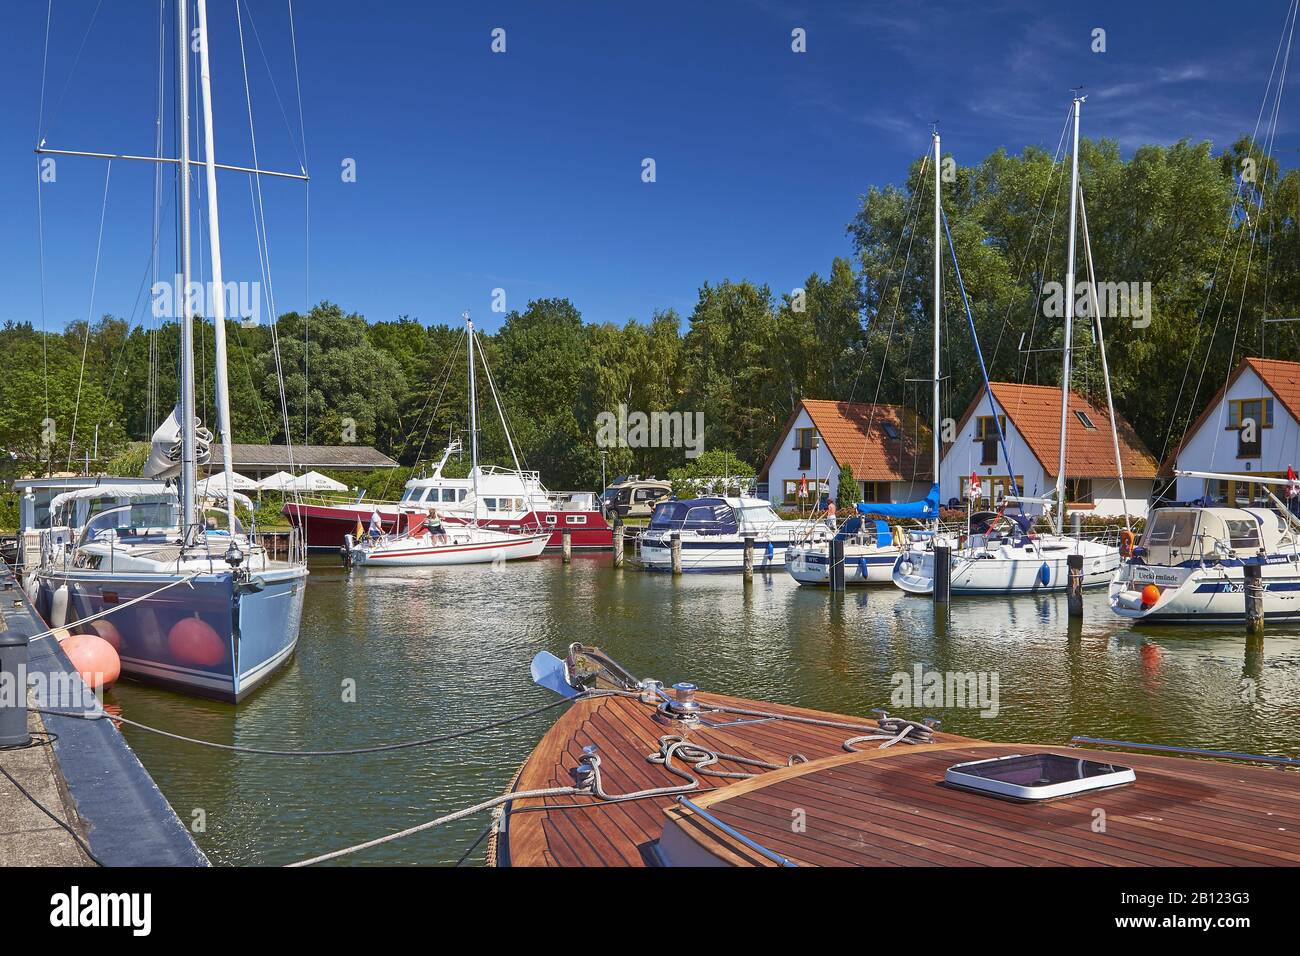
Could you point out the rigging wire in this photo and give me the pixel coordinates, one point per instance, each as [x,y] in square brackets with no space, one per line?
[1232,216]
[90,311]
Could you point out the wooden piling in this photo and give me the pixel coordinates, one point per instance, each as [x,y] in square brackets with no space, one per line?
[1254,598]
[676,545]
[942,574]
[837,564]
[566,545]
[749,558]
[1074,563]
[619,553]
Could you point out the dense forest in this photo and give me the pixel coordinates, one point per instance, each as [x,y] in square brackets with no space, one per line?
[1215,235]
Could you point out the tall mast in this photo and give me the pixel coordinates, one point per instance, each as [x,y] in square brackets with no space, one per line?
[189,462]
[218,289]
[938,213]
[473,415]
[1069,321]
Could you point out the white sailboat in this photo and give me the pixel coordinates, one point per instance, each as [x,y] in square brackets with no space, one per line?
[416,544]
[1004,557]
[872,549]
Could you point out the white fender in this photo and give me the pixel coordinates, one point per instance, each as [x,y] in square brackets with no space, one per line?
[59,606]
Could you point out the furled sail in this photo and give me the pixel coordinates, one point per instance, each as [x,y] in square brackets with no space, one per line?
[925,509]
[165,448]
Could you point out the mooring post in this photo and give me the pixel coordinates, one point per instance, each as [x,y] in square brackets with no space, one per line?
[566,545]
[618,542]
[837,564]
[1254,598]
[675,543]
[1074,563]
[942,574]
[749,558]
[13,690]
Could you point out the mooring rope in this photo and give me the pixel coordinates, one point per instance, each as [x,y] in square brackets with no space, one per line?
[348,752]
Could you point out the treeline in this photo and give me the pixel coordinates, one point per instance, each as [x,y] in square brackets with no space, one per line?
[1215,236]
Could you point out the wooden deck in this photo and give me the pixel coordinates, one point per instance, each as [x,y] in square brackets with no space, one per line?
[879,807]
[542,832]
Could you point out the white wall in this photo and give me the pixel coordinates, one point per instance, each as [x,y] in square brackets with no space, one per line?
[1280,445]
[785,465]
[963,457]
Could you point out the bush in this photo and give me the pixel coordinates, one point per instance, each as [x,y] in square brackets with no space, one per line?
[846,497]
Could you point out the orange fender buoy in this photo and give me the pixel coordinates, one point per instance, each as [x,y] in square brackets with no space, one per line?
[193,641]
[94,659]
[1150,595]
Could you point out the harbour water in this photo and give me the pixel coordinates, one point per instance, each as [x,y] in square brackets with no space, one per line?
[392,654]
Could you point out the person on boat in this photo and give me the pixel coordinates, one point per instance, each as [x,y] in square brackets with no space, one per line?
[436,530]
[376,525]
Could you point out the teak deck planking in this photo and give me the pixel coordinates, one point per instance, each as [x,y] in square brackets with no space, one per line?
[881,807]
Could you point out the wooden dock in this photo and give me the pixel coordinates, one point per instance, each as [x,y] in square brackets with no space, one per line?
[875,807]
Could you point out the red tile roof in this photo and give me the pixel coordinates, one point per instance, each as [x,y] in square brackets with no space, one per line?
[1035,411]
[854,434]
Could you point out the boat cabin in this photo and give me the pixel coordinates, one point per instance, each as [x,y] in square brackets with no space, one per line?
[714,515]
[1177,535]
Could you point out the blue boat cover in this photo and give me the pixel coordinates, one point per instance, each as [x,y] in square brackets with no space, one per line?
[705,515]
[925,509]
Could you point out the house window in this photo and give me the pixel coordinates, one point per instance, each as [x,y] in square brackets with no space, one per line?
[890,430]
[805,440]
[1084,420]
[987,435]
[1258,410]
[877,491]
[1078,491]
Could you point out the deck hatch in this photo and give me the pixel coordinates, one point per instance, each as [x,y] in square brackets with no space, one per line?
[1040,776]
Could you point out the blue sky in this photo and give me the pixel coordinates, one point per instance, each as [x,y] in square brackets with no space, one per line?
[522,170]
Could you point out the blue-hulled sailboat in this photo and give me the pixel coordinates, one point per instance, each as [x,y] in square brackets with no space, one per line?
[195,602]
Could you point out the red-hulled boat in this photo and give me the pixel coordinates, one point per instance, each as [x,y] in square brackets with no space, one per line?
[508,500]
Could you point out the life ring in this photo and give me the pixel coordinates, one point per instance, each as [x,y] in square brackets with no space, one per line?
[1126,544]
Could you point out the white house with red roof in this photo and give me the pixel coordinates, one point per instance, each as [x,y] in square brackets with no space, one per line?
[887,446]
[1250,428]
[1030,416]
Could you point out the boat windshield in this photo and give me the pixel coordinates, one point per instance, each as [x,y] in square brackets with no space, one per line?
[705,515]
[764,514]
[1171,529]
[138,520]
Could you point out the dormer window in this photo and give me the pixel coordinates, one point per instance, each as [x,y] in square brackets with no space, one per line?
[1084,420]
[890,430]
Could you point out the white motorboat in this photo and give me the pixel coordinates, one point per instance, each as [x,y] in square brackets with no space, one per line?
[871,546]
[713,532]
[1190,566]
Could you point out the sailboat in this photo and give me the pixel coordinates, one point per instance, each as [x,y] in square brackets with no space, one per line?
[191,600]
[871,547]
[414,543]
[1001,555]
